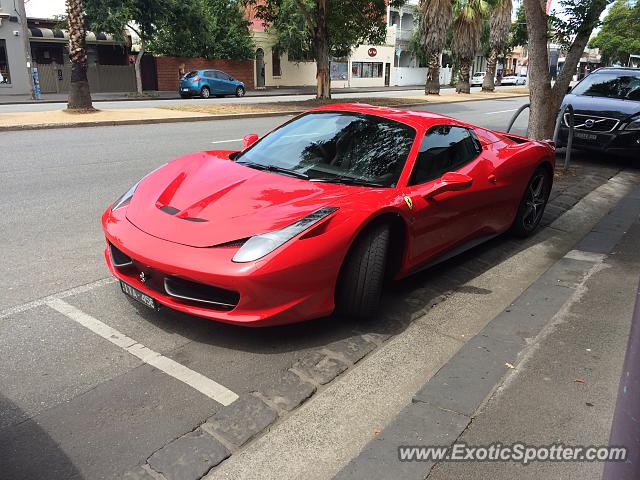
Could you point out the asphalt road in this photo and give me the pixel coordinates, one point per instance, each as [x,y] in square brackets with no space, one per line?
[71,404]
[40,107]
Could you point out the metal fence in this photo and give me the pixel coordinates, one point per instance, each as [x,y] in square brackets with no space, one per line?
[56,78]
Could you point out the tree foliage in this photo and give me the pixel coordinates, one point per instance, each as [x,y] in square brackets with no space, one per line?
[204,28]
[467,32]
[619,36]
[350,23]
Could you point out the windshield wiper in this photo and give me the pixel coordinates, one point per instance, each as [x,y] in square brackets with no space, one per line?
[275,169]
[347,181]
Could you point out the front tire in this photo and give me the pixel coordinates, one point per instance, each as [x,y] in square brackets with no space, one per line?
[532,204]
[362,276]
[205,92]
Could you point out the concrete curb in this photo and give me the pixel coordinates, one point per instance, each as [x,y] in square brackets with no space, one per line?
[443,408]
[203,118]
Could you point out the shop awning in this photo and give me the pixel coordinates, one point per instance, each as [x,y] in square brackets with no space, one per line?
[49,35]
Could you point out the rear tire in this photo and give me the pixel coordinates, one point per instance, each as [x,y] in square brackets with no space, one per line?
[532,204]
[239,92]
[363,272]
[205,92]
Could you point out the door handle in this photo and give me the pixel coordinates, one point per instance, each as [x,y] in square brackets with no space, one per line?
[492,178]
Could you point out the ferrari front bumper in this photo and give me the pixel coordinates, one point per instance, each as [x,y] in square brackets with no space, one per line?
[290,286]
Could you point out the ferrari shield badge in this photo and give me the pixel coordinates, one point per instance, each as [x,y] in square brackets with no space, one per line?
[409,202]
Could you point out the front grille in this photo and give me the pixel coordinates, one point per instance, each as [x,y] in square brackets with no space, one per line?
[119,259]
[592,123]
[189,291]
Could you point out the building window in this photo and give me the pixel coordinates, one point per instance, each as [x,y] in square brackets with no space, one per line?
[275,63]
[366,69]
[5,78]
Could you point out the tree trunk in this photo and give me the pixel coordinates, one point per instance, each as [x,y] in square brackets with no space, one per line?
[488,84]
[432,85]
[545,100]
[137,67]
[463,83]
[543,109]
[321,40]
[79,95]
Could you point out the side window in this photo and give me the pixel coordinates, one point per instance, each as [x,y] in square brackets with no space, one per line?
[445,148]
[210,74]
[223,76]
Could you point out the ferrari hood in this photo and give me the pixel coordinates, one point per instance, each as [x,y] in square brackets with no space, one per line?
[204,199]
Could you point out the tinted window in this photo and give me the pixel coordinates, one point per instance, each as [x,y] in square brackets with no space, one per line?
[223,76]
[210,74]
[334,145]
[191,74]
[445,148]
[610,85]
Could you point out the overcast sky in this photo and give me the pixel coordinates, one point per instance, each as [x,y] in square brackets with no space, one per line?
[45,8]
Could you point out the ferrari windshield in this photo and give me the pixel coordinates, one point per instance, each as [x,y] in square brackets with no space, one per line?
[610,85]
[340,147]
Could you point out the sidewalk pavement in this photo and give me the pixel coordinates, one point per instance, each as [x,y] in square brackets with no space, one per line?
[214,111]
[544,371]
[173,95]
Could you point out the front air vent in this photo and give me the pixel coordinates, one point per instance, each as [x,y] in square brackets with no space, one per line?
[119,259]
[215,297]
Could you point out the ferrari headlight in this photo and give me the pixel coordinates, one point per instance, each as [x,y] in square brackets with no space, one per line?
[126,198]
[634,124]
[263,244]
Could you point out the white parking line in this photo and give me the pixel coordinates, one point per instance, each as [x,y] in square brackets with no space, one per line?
[66,293]
[228,141]
[204,385]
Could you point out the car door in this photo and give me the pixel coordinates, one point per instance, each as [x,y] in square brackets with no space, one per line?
[453,218]
[213,81]
[225,83]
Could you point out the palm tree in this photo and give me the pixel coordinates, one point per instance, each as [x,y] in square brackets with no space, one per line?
[467,30]
[435,21]
[79,95]
[499,24]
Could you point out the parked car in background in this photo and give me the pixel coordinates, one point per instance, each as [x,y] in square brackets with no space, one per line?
[606,107]
[205,83]
[513,80]
[477,79]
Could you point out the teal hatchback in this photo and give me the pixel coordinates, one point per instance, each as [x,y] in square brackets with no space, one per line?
[204,83]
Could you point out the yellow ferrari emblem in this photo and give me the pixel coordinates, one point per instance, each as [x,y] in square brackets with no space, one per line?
[409,202]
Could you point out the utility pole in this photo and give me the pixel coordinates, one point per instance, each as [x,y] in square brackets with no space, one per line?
[20,10]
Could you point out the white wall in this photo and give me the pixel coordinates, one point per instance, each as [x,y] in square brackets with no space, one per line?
[418,76]
[20,83]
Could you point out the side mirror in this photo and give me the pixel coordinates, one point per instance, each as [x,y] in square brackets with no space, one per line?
[449,182]
[249,140]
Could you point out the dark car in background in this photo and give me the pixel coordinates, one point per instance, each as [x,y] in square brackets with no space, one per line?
[205,83]
[606,104]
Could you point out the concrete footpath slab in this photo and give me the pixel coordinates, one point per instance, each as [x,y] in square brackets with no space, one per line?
[549,364]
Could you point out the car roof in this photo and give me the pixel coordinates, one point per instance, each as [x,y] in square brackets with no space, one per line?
[621,70]
[410,117]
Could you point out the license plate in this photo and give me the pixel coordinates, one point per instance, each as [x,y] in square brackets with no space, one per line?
[185,89]
[585,136]
[136,294]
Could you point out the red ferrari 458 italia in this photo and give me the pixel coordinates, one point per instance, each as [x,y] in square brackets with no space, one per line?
[319,212]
